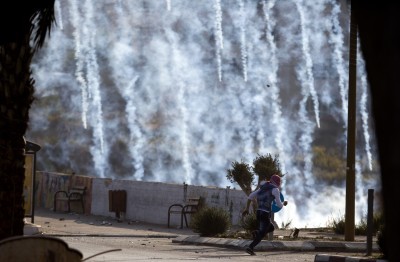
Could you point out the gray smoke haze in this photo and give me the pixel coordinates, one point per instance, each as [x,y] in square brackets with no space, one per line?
[176,90]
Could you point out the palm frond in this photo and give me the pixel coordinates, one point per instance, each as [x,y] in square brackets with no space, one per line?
[42,19]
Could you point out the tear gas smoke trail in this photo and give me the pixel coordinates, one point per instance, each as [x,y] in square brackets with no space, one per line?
[307,80]
[122,54]
[184,137]
[219,63]
[184,127]
[243,114]
[245,131]
[218,24]
[243,46]
[136,137]
[272,83]
[76,23]
[58,14]
[179,64]
[257,106]
[363,105]
[218,37]
[336,39]
[168,4]
[257,95]
[361,199]
[305,143]
[94,87]
[92,71]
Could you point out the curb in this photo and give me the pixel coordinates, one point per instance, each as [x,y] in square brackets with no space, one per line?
[323,246]
[31,229]
[329,258]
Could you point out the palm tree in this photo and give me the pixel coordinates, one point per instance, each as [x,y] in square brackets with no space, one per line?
[24,26]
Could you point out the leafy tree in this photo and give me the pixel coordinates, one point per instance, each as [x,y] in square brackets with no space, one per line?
[22,24]
[242,175]
[264,166]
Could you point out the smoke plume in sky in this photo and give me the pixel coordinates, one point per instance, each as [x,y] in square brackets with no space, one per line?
[175,91]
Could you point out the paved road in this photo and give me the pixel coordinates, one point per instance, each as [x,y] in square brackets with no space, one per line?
[138,241]
[162,249]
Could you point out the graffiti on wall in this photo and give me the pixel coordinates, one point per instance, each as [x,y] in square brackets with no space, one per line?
[47,184]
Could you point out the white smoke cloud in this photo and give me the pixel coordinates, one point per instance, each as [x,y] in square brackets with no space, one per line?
[175,91]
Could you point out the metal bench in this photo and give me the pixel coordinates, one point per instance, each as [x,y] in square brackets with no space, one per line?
[191,206]
[75,194]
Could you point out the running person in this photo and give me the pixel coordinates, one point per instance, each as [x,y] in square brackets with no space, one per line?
[264,196]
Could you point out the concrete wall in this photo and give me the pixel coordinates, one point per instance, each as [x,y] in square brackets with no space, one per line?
[146,201]
[48,183]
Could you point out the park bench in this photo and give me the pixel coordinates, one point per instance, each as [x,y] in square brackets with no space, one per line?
[190,207]
[75,194]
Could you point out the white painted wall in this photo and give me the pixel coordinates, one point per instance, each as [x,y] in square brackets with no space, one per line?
[149,201]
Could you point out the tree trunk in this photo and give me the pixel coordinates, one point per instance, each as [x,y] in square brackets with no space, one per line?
[16,97]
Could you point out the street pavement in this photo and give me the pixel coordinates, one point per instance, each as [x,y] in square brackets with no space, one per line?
[60,224]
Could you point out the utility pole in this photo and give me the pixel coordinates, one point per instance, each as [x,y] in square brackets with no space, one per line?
[351,132]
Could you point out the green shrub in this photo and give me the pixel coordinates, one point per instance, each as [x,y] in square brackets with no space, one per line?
[210,221]
[361,228]
[249,223]
[338,225]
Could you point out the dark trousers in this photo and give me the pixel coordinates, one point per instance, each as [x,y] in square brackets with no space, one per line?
[264,226]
